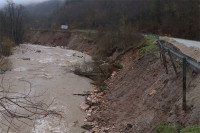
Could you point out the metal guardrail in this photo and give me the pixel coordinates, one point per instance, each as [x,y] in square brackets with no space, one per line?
[186,61]
[192,63]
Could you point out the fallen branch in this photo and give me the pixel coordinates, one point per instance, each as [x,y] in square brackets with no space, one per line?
[17,108]
[82,94]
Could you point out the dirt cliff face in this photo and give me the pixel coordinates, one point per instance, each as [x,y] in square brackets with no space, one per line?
[47,38]
[68,40]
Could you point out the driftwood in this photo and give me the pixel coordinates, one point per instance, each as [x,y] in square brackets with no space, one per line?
[82,94]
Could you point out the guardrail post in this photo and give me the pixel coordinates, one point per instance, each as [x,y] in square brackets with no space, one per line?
[184,84]
[160,49]
[172,61]
[164,60]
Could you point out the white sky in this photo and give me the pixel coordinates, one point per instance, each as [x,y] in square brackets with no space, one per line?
[23,2]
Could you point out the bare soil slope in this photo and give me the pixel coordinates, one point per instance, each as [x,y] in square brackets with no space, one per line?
[142,95]
[68,40]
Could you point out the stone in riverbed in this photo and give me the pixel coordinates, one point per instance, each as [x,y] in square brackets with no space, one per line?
[90,119]
[84,106]
[87,127]
[86,132]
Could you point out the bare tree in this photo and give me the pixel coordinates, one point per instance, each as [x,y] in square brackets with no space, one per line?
[15,16]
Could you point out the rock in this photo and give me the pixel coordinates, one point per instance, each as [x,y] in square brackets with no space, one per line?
[87,132]
[87,127]
[95,101]
[89,99]
[84,106]
[113,74]
[105,129]
[100,95]
[38,51]
[152,92]
[96,90]
[89,111]
[90,119]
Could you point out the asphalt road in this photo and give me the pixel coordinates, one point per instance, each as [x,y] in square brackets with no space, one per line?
[188,42]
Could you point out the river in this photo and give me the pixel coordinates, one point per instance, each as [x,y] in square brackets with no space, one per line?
[48,69]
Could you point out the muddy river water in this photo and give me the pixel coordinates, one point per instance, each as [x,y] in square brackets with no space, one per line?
[48,71]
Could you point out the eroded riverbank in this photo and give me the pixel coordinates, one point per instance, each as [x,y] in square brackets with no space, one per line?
[48,71]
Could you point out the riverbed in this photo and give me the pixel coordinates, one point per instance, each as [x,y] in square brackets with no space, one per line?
[49,71]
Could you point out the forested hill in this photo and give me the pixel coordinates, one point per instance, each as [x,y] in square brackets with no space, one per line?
[178,18]
[44,8]
[40,14]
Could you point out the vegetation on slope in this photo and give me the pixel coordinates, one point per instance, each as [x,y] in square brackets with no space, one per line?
[167,127]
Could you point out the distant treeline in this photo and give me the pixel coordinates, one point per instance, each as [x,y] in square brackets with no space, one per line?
[178,18]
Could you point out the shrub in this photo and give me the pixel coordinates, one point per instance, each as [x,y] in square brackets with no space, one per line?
[6,46]
[118,65]
[149,45]
[120,38]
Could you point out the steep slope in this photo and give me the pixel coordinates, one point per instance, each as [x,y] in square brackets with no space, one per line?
[68,40]
[142,95]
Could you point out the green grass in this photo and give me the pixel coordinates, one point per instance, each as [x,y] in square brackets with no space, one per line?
[84,31]
[167,127]
[149,45]
[118,65]
[49,30]
[193,129]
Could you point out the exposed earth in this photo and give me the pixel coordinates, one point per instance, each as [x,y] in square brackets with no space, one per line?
[141,95]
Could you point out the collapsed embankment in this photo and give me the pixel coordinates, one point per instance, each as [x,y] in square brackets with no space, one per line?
[68,40]
[140,95]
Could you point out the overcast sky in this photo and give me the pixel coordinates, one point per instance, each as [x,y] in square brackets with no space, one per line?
[23,2]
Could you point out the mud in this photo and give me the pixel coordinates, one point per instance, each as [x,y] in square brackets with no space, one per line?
[48,71]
